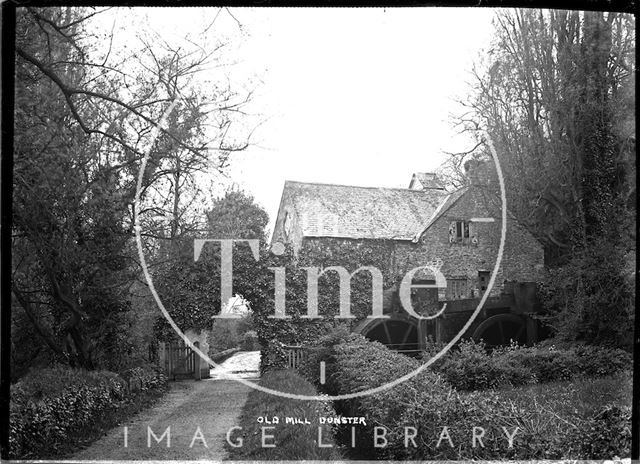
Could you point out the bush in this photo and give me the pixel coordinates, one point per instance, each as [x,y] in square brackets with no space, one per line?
[597,361]
[590,298]
[472,367]
[559,420]
[577,419]
[324,350]
[224,335]
[361,365]
[250,341]
[273,357]
[292,442]
[607,433]
[144,378]
[48,404]
[49,407]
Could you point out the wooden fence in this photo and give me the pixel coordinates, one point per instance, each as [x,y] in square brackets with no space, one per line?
[295,356]
[182,362]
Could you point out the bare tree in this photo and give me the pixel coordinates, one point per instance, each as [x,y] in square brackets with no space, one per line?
[531,92]
[84,121]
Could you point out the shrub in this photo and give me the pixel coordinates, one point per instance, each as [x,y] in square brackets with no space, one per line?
[324,350]
[49,407]
[273,357]
[577,419]
[250,341]
[292,442]
[558,420]
[471,366]
[589,298]
[48,404]
[144,377]
[224,335]
[360,365]
[607,434]
[599,361]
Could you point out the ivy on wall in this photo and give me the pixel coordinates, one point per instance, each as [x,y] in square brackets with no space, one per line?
[191,290]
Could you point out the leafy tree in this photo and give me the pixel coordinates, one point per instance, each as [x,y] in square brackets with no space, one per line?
[83,121]
[191,290]
[555,94]
[236,215]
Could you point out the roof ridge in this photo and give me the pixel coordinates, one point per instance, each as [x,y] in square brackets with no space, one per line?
[363,187]
[441,209]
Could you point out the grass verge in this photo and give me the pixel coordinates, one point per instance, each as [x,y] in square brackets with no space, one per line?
[270,441]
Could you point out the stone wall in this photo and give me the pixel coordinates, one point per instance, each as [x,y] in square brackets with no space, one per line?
[522,260]
[295,236]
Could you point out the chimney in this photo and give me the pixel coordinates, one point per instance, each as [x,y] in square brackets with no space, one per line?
[425,181]
[479,172]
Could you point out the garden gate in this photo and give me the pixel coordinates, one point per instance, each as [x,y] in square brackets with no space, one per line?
[295,356]
[182,362]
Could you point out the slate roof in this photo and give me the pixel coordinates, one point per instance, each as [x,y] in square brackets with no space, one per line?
[327,210]
[427,180]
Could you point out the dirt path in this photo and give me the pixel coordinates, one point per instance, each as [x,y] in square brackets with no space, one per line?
[212,404]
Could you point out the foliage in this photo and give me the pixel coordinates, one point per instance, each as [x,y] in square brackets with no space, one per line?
[292,442]
[230,333]
[250,341]
[324,350]
[297,330]
[556,94]
[470,366]
[144,377]
[84,114]
[237,216]
[191,290]
[362,364]
[606,433]
[224,335]
[552,419]
[579,419]
[589,299]
[49,407]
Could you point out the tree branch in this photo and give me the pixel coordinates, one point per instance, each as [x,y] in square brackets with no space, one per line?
[40,329]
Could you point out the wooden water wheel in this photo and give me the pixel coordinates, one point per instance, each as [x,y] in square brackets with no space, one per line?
[397,335]
[501,329]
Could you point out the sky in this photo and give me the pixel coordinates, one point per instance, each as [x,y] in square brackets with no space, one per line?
[347,96]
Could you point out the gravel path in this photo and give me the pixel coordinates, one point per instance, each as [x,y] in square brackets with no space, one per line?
[211,404]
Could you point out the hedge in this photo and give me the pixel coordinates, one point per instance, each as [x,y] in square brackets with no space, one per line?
[360,365]
[324,350]
[580,419]
[144,378]
[50,407]
[250,341]
[470,366]
[292,442]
